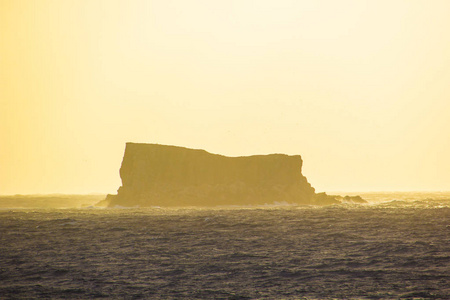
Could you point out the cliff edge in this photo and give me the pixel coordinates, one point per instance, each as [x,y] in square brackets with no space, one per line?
[159,175]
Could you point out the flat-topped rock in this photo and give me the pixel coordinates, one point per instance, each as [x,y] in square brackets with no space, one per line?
[159,175]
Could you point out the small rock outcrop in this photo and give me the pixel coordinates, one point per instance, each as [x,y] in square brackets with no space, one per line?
[159,175]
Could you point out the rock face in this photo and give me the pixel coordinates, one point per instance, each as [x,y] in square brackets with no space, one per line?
[158,175]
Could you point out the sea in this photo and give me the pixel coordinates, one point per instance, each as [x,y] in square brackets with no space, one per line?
[64,247]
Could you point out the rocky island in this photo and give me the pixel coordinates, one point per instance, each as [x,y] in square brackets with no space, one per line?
[160,175]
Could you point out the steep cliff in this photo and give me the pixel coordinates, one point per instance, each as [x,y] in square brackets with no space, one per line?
[159,175]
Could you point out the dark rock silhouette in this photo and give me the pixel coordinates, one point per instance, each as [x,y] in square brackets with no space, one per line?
[159,175]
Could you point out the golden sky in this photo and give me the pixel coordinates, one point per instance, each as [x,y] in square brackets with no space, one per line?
[360,89]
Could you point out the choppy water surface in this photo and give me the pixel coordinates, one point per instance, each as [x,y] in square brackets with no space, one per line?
[390,250]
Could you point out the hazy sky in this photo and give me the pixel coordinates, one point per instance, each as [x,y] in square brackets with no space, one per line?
[360,89]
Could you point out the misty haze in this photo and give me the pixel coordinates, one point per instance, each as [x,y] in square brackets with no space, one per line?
[285,149]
